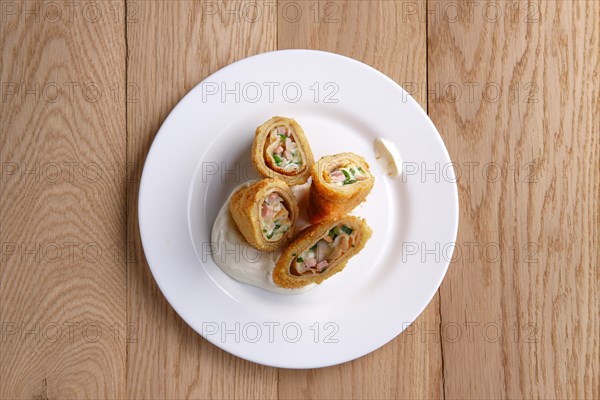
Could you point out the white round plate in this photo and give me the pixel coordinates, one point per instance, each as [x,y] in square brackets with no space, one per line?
[202,152]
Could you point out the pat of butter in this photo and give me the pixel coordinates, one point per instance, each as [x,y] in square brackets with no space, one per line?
[387,154]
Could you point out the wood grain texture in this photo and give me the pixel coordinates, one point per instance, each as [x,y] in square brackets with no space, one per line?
[513,87]
[62,211]
[530,210]
[173,47]
[389,37]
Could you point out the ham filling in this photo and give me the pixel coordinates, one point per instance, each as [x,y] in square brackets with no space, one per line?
[275,218]
[283,152]
[347,175]
[317,259]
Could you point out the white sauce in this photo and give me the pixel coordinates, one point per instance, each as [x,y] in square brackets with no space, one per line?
[243,262]
[387,152]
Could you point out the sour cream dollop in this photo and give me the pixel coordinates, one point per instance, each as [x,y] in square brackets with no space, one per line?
[243,262]
[387,153]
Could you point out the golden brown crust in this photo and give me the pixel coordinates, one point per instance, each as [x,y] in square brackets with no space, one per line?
[281,273]
[328,201]
[260,143]
[245,209]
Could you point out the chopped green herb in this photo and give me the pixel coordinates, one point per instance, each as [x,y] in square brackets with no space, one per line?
[348,179]
[360,169]
[347,230]
[352,171]
[333,232]
[264,230]
[299,259]
[282,137]
[313,247]
[277,159]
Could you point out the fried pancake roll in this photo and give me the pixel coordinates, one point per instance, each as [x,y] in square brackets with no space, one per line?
[280,150]
[265,213]
[320,251]
[339,183]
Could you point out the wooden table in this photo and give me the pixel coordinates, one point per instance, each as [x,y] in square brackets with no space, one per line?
[514,88]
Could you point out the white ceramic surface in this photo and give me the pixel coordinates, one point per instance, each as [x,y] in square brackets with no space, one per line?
[202,152]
